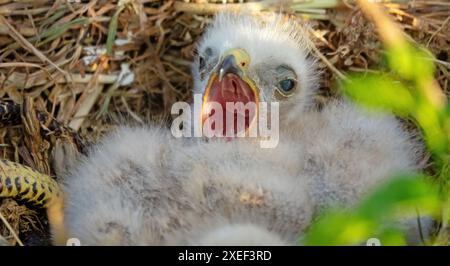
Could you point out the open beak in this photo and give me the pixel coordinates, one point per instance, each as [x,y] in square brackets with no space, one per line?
[230,66]
[229,83]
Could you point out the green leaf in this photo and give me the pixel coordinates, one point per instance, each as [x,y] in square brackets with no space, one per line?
[379,92]
[377,214]
[410,62]
[50,20]
[392,237]
[57,31]
[435,135]
[112,30]
[339,228]
[403,193]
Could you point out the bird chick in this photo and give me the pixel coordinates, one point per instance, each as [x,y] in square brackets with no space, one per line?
[142,186]
[346,150]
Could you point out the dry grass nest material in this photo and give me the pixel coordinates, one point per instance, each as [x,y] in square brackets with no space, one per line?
[69,70]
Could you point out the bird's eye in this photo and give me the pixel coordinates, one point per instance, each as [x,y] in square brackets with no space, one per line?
[201,63]
[286,87]
[203,58]
[286,80]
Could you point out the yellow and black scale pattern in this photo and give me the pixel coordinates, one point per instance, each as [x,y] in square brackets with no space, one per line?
[25,184]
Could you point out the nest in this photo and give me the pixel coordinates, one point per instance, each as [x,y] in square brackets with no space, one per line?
[70,70]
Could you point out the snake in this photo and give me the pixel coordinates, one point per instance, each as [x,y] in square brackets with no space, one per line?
[24,184]
[21,182]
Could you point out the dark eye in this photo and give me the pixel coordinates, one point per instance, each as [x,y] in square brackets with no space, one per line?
[202,59]
[286,80]
[201,63]
[286,86]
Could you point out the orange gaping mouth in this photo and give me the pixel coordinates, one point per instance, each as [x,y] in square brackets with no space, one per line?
[238,101]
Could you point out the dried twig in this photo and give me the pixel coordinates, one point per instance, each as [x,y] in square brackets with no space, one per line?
[57,54]
[11,230]
[27,45]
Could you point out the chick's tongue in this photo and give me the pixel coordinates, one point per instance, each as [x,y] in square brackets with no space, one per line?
[232,89]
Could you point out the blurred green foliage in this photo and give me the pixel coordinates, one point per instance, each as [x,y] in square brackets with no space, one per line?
[409,90]
[375,216]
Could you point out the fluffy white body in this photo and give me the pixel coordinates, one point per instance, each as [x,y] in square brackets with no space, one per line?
[141,186]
